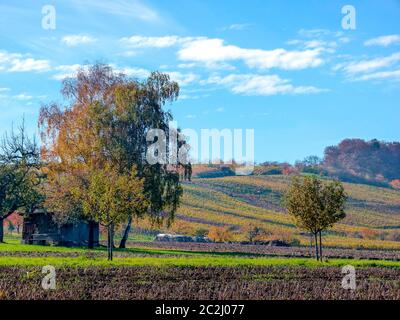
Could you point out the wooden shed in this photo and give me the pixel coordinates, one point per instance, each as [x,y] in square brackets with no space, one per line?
[39,228]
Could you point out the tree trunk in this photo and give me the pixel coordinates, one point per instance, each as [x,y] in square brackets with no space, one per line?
[112,241]
[91,235]
[108,242]
[112,236]
[316,245]
[122,244]
[1,230]
[311,243]
[320,245]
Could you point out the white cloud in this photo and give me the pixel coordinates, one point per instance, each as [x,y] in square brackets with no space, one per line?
[183,79]
[75,40]
[318,45]
[66,71]
[383,40]
[70,71]
[237,26]
[264,85]
[394,75]
[191,116]
[214,51]
[154,42]
[312,33]
[313,44]
[29,64]
[185,96]
[4,89]
[133,72]
[187,65]
[365,66]
[128,54]
[16,62]
[23,96]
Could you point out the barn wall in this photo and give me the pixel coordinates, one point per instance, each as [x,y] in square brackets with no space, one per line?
[78,234]
[71,234]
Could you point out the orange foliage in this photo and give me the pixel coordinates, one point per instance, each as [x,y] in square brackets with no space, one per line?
[16,220]
[369,234]
[288,170]
[395,184]
[220,234]
[182,227]
[282,235]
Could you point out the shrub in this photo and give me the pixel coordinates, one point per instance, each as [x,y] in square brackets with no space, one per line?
[220,234]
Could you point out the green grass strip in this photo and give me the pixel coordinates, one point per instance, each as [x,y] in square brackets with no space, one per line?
[189,261]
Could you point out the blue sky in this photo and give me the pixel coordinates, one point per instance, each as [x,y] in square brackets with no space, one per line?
[287,69]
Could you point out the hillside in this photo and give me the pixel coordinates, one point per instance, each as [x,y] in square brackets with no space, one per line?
[373,213]
[358,160]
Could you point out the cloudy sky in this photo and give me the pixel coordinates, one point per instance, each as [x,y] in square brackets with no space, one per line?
[286,69]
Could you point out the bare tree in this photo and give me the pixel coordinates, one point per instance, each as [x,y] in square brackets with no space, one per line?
[19,175]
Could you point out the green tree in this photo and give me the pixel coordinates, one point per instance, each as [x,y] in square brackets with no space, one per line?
[315,205]
[112,198]
[20,176]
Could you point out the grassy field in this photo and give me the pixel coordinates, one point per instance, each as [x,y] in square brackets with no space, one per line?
[15,254]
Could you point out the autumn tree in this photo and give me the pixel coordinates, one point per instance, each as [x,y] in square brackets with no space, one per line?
[315,205]
[20,176]
[105,121]
[17,220]
[220,234]
[255,233]
[112,198]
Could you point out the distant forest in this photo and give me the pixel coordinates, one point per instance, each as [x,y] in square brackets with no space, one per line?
[352,160]
[374,160]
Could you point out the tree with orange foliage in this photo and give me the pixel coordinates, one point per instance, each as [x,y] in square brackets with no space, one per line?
[395,184]
[17,220]
[105,124]
[220,234]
